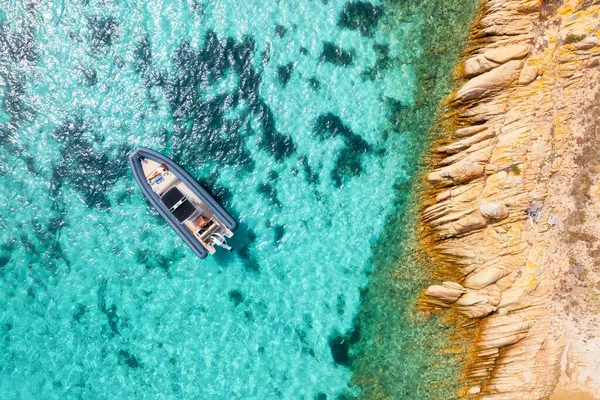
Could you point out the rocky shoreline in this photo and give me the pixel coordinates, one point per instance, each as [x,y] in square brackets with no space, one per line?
[512,201]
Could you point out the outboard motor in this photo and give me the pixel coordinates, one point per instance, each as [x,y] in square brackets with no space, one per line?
[219,240]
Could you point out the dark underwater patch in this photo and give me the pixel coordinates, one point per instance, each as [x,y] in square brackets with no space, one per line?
[270,192]
[111,313]
[250,263]
[280,146]
[152,260]
[278,233]
[28,244]
[314,83]
[198,8]
[335,55]
[236,297]
[361,16]
[280,31]
[128,359]
[103,31]
[113,319]
[284,72]
[17,53]
[30,164]
[13,102]
[92,173]
[79,312]
[202,121]
[143,55]
[90,77]
[330,125]
[398,111]
[4,259]
[340,346]
[383,62]
[311,177]
[302,336]
[304,51]
[243,239]
[6,250]
[340,304]
[18,47]
[349,161]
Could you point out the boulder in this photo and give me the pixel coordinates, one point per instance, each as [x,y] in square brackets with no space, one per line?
[484,277]
[587,43]
[474,390]
[493,58]
[468,224]
[447,292]
[493,211]
[490,82]
[528,75]
[456,173]
[477,65]
[470,131]
[504,54]
[467,142]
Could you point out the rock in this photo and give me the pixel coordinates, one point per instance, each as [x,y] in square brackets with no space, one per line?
[501,55]
[468,224]
[447,292]
[467,142]
[453,285]
[490,82]
[484,277]
[587,43]
[474,304]
[491,169]
[446,194]
[471,298]
[460,172]
[528,75]
[474,390]
[493,211]
[470,131]
[477,65]
[591,63]
[484,112]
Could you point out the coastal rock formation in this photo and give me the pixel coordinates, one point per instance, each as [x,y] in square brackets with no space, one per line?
[503,201]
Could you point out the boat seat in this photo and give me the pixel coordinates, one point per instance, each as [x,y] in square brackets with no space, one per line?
[204,235]
[179,206]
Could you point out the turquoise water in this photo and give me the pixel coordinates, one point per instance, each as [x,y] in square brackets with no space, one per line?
[296,115]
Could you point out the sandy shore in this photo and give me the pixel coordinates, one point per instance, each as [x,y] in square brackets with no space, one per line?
[511,205]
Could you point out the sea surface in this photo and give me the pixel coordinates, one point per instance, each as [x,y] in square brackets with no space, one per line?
[305,119]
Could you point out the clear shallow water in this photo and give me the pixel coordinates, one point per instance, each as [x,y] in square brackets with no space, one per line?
[303,118]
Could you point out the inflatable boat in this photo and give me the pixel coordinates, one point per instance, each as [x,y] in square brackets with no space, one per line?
[193,213]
